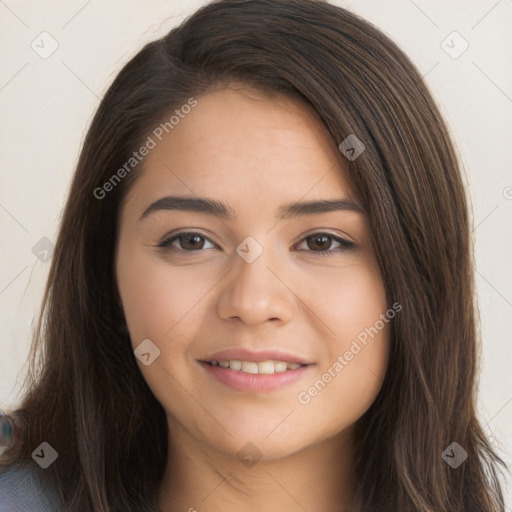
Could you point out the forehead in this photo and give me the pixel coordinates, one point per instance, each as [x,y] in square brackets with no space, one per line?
[240,144]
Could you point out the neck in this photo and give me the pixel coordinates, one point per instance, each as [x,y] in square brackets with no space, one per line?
[318,478]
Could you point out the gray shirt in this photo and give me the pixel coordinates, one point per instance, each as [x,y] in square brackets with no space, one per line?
[21,491]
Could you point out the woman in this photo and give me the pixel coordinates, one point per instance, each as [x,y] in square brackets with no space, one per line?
[261,296]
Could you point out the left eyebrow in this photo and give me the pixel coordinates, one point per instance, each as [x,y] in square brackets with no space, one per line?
[224,210]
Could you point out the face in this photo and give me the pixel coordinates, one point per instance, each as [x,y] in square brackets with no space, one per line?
[260,281]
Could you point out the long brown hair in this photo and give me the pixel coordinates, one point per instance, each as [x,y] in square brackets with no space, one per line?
[85,394]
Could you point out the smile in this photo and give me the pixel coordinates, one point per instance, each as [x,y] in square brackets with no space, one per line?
[268,367]
[255,377]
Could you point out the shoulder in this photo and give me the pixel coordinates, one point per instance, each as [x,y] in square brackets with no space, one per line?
[21,490]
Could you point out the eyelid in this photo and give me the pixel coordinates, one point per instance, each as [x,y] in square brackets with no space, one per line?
[343,237]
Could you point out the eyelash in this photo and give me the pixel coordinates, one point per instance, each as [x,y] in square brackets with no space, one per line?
[345,245]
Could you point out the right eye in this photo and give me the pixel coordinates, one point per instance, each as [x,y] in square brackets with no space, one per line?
[188,242]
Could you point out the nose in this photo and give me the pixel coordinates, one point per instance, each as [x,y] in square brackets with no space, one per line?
[256,292]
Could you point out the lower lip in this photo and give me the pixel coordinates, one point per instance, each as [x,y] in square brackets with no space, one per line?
[242,381]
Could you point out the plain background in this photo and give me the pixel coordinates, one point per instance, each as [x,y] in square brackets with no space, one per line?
[46,105]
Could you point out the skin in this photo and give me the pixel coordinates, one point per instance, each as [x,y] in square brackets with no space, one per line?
[255,153]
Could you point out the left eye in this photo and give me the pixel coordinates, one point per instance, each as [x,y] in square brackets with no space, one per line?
[318,242]
[321,240]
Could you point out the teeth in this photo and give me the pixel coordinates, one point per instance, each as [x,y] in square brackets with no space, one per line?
[263,367]
[280,366]
[234,364]
[266,367]
[249,367]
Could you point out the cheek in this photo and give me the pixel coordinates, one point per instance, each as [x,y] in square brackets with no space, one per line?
[160,303]
[346,300]
[350,373]
[163,304]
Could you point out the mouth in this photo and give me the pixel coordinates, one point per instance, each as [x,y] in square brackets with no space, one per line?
[268,367]
[251,376]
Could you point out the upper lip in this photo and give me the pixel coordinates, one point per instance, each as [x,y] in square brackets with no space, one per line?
[248,355]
